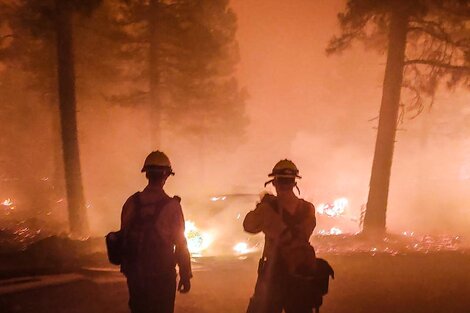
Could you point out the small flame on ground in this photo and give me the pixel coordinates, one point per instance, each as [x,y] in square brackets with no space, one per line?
[8,206]
[332,231]
[337,208]
[7,202]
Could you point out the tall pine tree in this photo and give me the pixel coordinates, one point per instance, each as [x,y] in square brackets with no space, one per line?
[426,45]
[183,55]
[47,27]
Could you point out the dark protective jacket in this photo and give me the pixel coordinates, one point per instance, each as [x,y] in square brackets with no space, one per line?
[167,228]
[280,235]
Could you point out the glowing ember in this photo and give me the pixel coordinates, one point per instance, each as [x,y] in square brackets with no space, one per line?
[337,208]
[198,241]
[392,244]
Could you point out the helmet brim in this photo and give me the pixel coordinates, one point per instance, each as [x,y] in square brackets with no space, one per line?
[157,169]
[284,175]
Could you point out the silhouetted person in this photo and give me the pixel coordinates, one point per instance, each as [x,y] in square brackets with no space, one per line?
[153,230]
[287,223]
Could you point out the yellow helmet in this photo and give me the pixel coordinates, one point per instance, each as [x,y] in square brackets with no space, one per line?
[285,168]
[157,161]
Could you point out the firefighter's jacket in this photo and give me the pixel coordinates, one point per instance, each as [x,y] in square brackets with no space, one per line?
[280,236]
[169,225]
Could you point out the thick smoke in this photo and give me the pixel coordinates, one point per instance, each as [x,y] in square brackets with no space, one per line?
[319,111]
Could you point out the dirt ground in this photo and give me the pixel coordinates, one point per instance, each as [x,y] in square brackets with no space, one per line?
[418,283]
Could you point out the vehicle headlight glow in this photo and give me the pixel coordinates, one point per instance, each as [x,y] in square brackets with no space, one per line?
[222,198]
[241,248]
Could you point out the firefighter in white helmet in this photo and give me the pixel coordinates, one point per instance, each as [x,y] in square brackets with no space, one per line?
[153,226]
[287,223]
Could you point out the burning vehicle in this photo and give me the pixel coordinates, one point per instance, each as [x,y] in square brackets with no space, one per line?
[216,230]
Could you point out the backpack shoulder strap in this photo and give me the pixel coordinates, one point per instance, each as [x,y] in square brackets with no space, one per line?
[136,200]
[291,225]
[137,206]
[305,208]
[159,208]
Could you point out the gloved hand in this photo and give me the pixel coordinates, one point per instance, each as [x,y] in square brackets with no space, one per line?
[184,285]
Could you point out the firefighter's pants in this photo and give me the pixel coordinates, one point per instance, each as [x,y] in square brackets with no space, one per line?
[275,292]
[152,294]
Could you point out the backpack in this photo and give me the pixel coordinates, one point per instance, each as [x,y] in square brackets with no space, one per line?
[312,286]
[311,281]
[140,244]
[144,250]
[114,247]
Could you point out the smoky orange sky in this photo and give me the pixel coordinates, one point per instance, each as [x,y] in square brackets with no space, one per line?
[317,110]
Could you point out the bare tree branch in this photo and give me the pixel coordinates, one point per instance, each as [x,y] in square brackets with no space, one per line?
[440,35]
[438,64]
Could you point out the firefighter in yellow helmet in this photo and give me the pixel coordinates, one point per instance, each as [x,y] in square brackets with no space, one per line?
[287,223]
[152,224]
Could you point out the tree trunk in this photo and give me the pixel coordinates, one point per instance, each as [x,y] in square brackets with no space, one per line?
[68,120]
[58,174]
[375,217]
[154,79]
